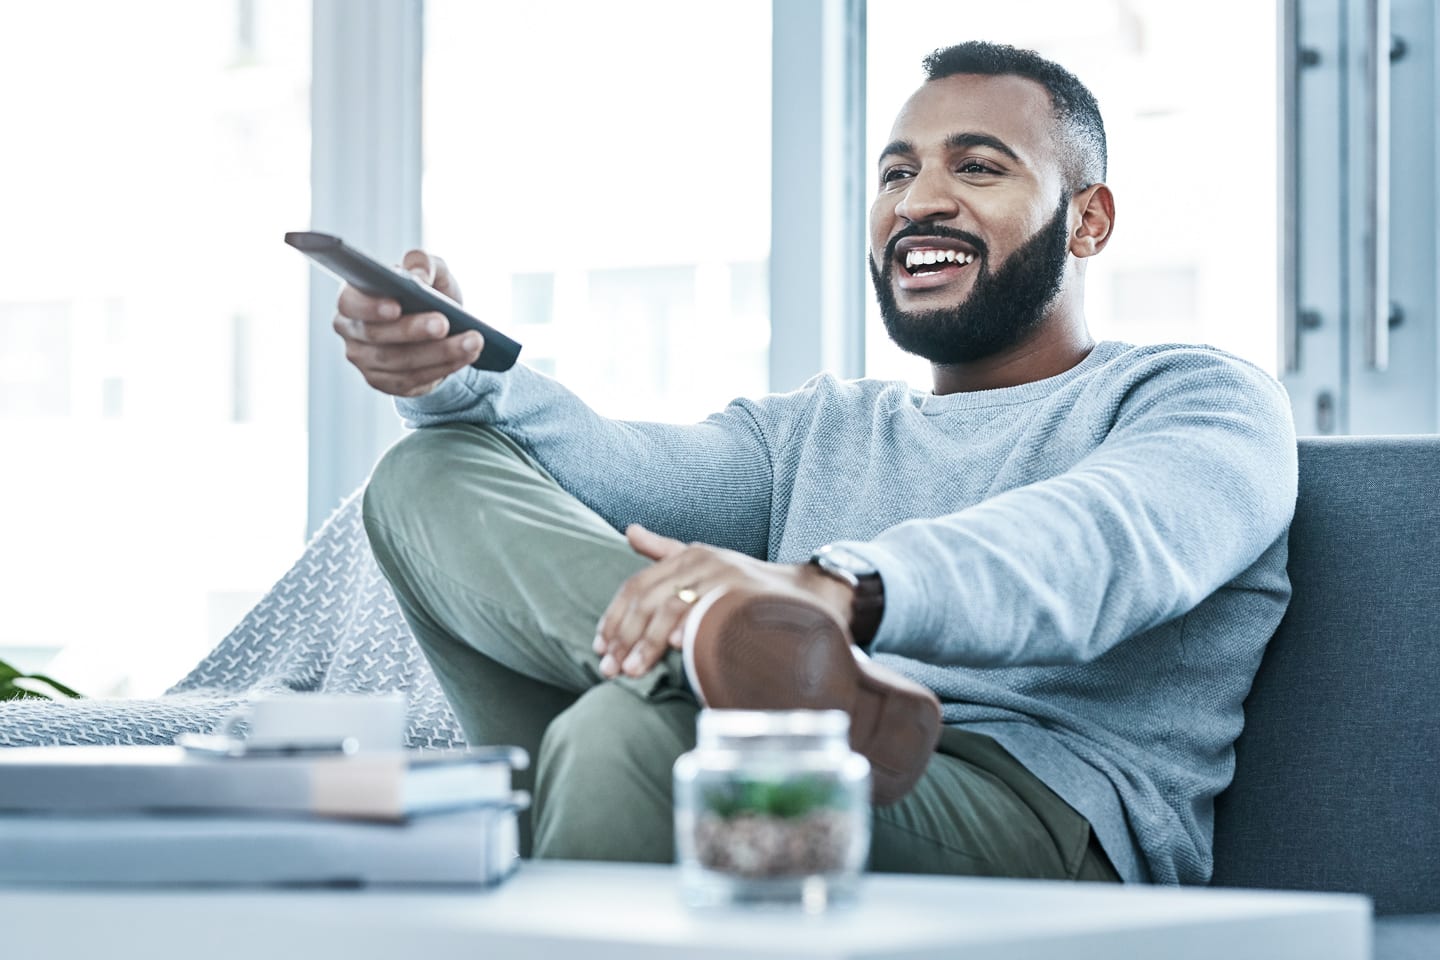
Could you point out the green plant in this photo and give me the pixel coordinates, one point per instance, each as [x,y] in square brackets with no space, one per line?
[785,798]
[15,685]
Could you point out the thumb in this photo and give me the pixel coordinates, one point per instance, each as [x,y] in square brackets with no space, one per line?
[432,271]
[419,265]
[651,545]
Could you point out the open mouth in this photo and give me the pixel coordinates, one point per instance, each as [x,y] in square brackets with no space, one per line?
[923,261]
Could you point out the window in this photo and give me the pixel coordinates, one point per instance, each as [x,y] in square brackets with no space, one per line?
[152,328]
[1192,156]
[598,176]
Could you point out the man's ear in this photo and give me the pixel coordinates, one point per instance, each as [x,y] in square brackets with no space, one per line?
[1097,220]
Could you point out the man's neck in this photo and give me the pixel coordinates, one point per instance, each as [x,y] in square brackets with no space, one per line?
[1055,348]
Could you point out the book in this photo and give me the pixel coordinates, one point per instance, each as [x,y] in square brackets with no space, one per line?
[474,847]
[380,785]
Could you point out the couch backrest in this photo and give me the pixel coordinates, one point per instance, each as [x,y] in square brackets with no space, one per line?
[1337,778]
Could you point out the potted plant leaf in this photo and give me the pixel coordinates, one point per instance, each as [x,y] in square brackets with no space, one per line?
[15,685]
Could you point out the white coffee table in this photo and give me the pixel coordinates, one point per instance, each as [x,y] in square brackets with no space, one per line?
[630,911]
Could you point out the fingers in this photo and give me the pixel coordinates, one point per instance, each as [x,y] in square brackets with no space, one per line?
[416,382]
[648,613]
[365,308]
[646,616]
[430,269]
[406,367]
[420,264]
[425,267]
[640,640]
[409,355]
[650,544]
[415,328]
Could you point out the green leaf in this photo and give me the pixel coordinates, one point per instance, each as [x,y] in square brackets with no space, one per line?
[11,690]
[778,798]
[55,685]
[8,691]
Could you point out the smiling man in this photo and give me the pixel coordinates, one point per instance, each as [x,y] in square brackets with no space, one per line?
[1041,590]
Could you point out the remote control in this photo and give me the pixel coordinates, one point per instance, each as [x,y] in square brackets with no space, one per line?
[372,277]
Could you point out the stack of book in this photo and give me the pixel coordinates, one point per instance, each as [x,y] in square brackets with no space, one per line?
[168,815]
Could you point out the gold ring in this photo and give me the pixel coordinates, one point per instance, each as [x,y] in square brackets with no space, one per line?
[687,594]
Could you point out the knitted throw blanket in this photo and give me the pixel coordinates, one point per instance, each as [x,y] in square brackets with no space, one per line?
[330,624]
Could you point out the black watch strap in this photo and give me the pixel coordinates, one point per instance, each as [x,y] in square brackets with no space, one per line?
[865,613]
[869,590]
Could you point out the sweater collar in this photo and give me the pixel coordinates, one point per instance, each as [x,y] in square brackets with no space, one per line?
[1103,353]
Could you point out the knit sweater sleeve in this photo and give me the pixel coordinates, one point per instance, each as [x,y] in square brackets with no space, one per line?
[708,482]
[1194,480]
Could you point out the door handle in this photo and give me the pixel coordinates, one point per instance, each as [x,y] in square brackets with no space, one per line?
[1375,263]
[1289,156]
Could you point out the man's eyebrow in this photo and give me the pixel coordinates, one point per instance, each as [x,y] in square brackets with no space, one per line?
[896,147]
[956,141]
[960,141]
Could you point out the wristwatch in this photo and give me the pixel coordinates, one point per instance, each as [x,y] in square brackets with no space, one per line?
[862,577]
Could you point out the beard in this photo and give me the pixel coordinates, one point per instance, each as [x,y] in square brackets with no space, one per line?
[1004,307]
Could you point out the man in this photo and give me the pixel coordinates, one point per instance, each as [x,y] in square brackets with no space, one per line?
[1076,549]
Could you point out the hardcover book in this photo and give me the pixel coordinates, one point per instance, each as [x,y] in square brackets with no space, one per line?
[478,846]
[380,785]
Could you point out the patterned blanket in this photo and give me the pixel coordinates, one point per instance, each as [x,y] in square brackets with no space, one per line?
[330,624]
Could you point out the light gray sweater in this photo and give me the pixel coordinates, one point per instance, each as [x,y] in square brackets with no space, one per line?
[1085,568]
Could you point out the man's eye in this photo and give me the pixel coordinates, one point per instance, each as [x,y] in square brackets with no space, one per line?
[975,166]
[893,174]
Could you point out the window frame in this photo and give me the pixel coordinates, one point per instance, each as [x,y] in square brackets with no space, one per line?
[365,168]
[817,207]
[368,59]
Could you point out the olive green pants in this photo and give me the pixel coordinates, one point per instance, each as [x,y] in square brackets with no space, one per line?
[502,576]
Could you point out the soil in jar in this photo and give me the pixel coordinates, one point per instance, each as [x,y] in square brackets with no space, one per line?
[796,827]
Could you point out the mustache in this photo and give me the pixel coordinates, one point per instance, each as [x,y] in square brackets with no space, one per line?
[935,230]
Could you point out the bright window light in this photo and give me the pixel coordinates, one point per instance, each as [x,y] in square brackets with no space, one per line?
[598,176]
[152,328]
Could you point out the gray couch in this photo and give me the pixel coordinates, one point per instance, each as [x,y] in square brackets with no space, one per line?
[1337,778]
[1337,782]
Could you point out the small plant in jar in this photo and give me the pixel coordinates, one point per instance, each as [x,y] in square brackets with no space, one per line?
[772,806]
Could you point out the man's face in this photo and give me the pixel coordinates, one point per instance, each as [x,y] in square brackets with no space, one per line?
[969,232]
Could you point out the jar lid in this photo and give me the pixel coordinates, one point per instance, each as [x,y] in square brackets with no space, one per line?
[773,723]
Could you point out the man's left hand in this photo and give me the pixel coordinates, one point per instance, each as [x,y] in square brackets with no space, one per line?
[648,613]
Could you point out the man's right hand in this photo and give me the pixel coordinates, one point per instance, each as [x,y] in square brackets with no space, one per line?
[405,356]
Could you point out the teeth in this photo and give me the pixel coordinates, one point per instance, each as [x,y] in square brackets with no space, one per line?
[915,258]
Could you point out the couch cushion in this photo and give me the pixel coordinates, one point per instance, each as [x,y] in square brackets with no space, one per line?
[1337,779]
[1408,937]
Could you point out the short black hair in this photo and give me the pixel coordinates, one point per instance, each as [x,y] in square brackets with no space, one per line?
[1081,129]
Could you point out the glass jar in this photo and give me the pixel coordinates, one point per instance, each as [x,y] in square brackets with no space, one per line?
[772,807]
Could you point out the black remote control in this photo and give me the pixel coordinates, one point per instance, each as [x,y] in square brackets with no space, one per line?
[378,280]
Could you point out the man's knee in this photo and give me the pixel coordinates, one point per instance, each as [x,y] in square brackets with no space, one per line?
[395,479]
[408,474]
[430,474]
[603,777]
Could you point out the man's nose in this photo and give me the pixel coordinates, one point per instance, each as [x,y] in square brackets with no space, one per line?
[928,198]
